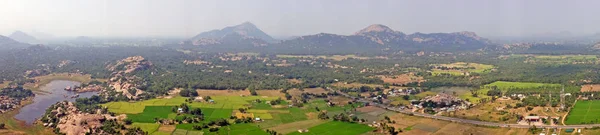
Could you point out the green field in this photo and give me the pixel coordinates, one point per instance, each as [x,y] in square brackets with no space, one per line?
[468,68]
[151,112]
[235,129]
[147,127]
[225,102]
[584,112]
[336,128]
[503,85]
[558,59]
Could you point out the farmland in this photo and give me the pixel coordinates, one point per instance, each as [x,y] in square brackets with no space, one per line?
[558,59]
[584,112]
[504,85]
[336,128]
[225,102]
[460,69]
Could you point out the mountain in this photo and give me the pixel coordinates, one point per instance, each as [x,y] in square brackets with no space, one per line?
[379,37]
[8,43]
[23,37]
[245,33]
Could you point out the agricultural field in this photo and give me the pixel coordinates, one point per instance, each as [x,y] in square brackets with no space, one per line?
[220,102]
[504,85]
[584,112]
[460,69]
[558,59]
[295,126]
[275,117]
[234,129]
[147,127]
[336,128]
[412,125]
[401,79]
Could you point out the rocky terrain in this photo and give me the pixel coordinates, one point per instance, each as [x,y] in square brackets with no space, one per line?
[87,88]
[122,81]
[68,119]
[12,97]
[7,103]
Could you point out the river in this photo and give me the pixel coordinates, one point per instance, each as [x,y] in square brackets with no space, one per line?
[54,92]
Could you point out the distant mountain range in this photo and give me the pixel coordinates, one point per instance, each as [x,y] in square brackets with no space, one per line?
[23,37]
[9,43]
[375,37]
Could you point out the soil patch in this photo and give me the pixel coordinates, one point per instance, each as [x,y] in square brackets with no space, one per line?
[590,88]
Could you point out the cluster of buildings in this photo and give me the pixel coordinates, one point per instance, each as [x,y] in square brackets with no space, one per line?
[441,102]
[401,92]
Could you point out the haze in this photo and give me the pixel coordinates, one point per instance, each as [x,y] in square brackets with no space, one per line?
[185,18]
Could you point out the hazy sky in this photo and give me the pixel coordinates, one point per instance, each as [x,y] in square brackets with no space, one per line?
[288,17]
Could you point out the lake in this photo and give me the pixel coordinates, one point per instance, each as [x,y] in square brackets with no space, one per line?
[54,92]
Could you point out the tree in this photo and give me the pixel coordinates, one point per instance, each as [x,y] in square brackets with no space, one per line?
[2,126]
[188,93]
[127,121]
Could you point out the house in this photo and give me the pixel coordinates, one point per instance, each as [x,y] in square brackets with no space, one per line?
[211,101]
[532,118]
[257,119]
[180,110]
[302,130]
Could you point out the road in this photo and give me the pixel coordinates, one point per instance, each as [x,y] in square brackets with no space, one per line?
[460,120]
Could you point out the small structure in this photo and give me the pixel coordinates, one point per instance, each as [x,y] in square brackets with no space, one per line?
[180,110]
[211,101]
[257,119]
[570,130]
[302,130]
[532,118]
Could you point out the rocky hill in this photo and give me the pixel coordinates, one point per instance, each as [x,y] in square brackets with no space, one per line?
[123,79]
[242,34]
[380,37]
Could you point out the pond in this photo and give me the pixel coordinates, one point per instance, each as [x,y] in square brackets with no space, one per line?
[54,92]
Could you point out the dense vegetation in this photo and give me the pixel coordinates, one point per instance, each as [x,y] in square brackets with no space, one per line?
[16,92]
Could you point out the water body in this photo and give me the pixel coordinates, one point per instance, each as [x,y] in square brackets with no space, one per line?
[54,92]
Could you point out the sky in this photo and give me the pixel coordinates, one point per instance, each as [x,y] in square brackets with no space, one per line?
[186,18]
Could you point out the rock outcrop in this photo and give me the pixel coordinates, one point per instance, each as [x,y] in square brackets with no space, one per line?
[68,119]
[122,81]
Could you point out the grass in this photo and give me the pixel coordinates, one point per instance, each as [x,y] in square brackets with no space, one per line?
[584,112]
[147,127]
[336,128]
